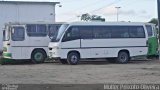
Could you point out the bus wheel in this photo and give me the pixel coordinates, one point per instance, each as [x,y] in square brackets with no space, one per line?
[63,61]
[123,57]
[73,58]
[38,56]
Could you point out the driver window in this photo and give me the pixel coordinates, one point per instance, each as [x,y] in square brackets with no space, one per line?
[72,34]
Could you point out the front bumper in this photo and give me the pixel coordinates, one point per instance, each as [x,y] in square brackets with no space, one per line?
[54,53]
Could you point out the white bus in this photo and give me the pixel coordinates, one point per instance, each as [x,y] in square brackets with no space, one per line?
[27,41]
[115,41]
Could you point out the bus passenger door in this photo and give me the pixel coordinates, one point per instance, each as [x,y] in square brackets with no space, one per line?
[86,41]
[17,41]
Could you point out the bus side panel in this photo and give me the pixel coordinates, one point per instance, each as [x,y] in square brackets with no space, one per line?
[67,46]
[27,51]
[24,52]
[96,48]
[16,52]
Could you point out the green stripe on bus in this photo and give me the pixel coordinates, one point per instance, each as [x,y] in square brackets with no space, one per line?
[7,55]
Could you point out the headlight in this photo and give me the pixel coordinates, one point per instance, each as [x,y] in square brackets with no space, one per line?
[4,49]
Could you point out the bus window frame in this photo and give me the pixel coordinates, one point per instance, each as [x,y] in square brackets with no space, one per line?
[36,25]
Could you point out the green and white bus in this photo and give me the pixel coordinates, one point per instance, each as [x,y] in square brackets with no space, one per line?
[152,40]
[27,41]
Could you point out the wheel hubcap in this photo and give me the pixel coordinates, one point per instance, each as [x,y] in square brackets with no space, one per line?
[123,58]
[38,56]
[74,59]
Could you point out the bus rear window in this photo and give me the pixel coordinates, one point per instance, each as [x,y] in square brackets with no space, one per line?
[18,34]
[149,30]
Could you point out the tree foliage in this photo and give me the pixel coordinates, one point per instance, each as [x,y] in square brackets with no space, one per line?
[85,17]
[154,21]
[88,17]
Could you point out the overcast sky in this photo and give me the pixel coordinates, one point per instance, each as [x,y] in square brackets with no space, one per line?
[131,10]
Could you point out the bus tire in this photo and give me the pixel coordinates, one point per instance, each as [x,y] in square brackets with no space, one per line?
[73,58]
[38,56]
[63,61]
[123,57]
[3,62]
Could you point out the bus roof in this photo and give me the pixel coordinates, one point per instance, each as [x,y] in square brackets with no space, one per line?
[29,2]
[24,23]
[150,24]
[106,23]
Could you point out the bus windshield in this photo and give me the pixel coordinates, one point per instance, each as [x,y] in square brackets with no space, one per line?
[53,30]
[60,33]
[6,34]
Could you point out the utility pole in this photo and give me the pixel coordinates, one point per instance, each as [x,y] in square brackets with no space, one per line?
[117,12]
[158,7]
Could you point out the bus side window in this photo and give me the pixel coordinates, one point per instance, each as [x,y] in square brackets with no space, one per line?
[120,32]
[136,32]
[86,32]
[71,34]
[41,30]
[36,30]
[140,32]
[100,32]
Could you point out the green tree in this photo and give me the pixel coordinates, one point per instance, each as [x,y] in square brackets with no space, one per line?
[88,17]
[85,17]
[97,18]
[154,21]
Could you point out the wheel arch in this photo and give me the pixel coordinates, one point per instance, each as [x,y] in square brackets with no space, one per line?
[74,51]
[125,50]
[36,50]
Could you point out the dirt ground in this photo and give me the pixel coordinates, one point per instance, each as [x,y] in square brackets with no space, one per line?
[95,72]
